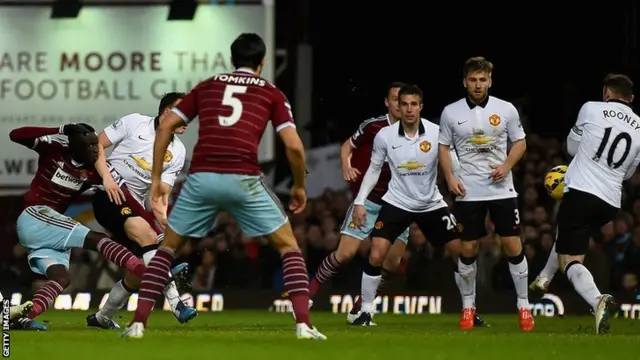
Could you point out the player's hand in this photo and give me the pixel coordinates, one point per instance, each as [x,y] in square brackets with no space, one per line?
[359,216]
[298,199]
[115,194]
[499,172]
[159,202]
[349,173]
[455,186]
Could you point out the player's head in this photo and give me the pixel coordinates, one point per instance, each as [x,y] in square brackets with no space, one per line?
[248,51]
[410,100]
[83,144]
[391,100]
[477,77]
[617,86]
[168,102]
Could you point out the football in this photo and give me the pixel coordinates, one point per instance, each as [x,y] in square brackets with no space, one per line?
[554,181]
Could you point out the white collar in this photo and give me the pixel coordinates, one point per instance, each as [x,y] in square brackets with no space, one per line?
[247,70]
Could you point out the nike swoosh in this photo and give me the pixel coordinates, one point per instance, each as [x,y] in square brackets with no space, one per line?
[395,146]
[141,138]
[462,122]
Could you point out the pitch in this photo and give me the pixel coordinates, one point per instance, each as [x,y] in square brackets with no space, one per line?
[263,335]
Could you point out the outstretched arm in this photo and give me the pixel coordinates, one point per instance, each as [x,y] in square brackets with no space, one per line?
[34,137]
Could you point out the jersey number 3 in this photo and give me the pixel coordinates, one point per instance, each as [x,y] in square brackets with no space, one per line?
[230,99]
[612,149]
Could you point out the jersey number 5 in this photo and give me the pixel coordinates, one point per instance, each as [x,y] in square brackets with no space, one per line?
[229,99]
[612,149]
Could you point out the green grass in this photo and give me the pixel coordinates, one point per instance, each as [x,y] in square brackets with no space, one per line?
[263,335]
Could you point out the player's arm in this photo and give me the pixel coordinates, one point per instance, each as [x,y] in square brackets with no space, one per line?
[345,154]
[445,139]
[113,134]
[359,138]
[633,168]
[517,136]
[169,177]
[38,138]
[575,134]
[282,119]
[182,114]
[370,179]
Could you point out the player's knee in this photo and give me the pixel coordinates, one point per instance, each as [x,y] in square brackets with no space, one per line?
[377,256]
[139,230]
[392,262]
[282,239]
[566,261]
[512,245]
[468,248]
[172,240]
[347,249]
[454,248]
[59,274]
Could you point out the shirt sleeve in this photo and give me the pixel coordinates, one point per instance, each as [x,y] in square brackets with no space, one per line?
[188,109]
[576,131]
[514,126]
[170,175]
[575,134]
[379,151]
[119,130]
[362,136]
[446,135]
[281,114]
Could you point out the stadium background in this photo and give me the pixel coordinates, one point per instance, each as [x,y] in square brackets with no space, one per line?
[334,63]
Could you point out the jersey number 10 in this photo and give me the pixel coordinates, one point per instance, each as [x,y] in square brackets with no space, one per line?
[612,149]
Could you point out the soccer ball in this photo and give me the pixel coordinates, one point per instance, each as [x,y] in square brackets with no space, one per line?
[554,181]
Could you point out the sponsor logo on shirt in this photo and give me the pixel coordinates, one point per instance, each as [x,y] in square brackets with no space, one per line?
[62,178]
[480,142]
[411,166]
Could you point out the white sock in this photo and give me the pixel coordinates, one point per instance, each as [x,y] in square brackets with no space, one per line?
[118,297]
[170,291]
[584,284]
[520,276]
[369,289]
[552,265]
[467,285]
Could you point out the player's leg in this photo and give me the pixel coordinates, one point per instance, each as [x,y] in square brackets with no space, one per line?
[542,281]
[471,219]
[391,222]
[138,229]
[259,213]
[192,216]
[506,217]
[132,229]
[579,216]
[116,300]
[351,237]
[389,267]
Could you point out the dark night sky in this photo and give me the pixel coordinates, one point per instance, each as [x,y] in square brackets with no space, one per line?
[556,57]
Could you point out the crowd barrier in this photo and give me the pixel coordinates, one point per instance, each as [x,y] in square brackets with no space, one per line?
[400,303]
